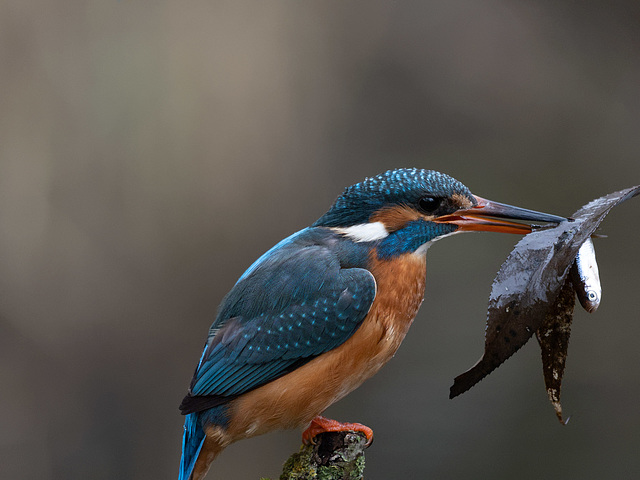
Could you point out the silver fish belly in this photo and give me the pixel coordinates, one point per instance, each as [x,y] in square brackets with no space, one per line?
[585,277]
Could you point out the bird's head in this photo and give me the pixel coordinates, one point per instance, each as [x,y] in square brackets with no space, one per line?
[404,210]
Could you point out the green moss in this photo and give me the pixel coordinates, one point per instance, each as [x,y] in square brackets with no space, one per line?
[300,466]
[344,462]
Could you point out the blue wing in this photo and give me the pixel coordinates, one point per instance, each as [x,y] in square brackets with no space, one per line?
[302,298]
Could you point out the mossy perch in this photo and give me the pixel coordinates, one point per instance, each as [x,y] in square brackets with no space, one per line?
[336,456]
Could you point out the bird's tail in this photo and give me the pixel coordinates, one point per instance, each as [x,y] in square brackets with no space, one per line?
[192,442]
[198,450]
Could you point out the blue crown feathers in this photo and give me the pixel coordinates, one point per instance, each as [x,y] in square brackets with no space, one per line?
[400,186]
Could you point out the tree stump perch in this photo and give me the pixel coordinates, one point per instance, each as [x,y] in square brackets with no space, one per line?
[336,456]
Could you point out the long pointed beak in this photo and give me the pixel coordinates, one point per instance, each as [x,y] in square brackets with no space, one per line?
[487,216]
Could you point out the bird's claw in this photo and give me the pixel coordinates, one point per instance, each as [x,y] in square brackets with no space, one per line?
[322,424]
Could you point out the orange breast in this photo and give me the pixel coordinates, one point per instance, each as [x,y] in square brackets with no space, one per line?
[294,399]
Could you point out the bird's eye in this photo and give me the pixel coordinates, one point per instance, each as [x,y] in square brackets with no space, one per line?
[429,204]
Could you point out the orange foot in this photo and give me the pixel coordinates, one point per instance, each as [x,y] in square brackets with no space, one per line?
[322,424]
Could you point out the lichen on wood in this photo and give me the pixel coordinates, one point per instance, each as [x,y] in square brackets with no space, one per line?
[335,456]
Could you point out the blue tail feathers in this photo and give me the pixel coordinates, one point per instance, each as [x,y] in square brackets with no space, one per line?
[192,442]
[194,437]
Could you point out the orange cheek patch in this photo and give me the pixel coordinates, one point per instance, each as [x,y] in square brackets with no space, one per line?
[396,217]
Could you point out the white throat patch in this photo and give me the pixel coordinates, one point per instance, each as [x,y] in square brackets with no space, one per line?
[422,249]
[365,232]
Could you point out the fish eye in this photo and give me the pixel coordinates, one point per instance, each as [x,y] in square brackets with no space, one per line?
[429,204]
[592,296]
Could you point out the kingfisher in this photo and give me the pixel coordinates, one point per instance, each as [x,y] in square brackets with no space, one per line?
[324,309]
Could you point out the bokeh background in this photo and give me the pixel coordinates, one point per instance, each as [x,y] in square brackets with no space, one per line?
[150,151]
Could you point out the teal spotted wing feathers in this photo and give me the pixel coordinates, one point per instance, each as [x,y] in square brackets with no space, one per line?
[305,300]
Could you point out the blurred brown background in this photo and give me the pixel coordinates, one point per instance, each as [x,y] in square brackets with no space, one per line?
[150,151]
